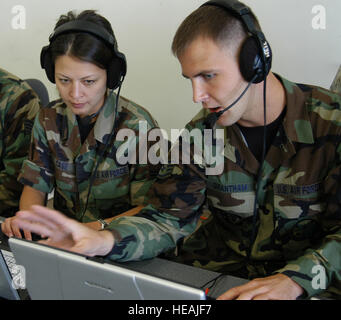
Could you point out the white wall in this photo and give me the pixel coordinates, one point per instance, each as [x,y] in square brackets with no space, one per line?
[144,30]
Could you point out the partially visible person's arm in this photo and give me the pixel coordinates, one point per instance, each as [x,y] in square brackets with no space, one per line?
[275,287]
[18,108]
[174,206]
[144,235]
[37,173]
[31,196]
[97,225]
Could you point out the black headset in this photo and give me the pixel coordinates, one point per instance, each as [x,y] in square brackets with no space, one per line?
[255,54]
[118,65]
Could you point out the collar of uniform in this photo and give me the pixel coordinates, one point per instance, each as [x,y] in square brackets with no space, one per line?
[296,128]
[296,123]
[104,123]
[233,148]
[106,118]
[237,151]
[68,124]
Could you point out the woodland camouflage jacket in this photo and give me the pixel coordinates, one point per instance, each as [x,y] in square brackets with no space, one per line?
[18,107]
[58,160]
[298,221]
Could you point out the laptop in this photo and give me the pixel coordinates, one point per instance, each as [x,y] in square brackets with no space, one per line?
[57,274]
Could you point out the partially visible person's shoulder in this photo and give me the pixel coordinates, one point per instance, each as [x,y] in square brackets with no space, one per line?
[17,97]
[324,107]
[321,98]
[10,82]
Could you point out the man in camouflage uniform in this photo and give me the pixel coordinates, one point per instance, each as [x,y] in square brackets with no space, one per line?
[18,107]
[296,226]
[298,220]
[59,160]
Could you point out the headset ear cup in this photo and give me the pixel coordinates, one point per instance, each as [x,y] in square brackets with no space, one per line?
[116,71]
[113,75]
[47,64]
[250,62]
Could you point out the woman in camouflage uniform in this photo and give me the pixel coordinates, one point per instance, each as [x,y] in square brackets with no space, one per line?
[73,149]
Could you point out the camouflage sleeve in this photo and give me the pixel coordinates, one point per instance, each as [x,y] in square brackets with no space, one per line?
[18,106]
[144,171]
[320,266]
[144,175]
[37,171]
[175,202]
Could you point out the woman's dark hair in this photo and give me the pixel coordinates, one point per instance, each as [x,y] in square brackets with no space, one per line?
[83,46]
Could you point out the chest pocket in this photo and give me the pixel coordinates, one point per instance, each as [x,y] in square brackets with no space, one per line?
[232,199]
[65,175]
[111,183]
[111,191]
[292,200]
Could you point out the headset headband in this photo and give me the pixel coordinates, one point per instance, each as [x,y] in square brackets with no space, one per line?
[85,27]
[118,66]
